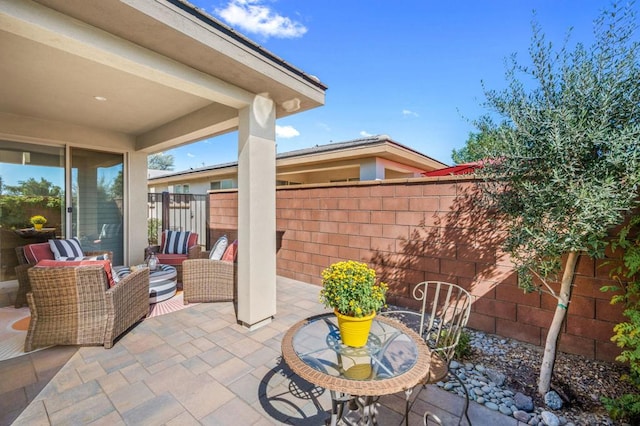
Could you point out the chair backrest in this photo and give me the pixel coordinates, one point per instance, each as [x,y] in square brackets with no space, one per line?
[444,312]
[176,239]
[33,253]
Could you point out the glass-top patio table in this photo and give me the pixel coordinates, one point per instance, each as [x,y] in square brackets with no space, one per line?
[394,359]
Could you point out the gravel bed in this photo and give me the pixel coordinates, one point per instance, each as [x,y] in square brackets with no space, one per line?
[502,374]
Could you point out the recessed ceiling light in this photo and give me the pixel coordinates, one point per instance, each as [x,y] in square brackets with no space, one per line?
[100,98]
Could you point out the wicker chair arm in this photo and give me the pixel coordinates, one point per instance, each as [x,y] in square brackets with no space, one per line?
[206,280]
[24,285]
[131,282]
[194,252]
[127,301]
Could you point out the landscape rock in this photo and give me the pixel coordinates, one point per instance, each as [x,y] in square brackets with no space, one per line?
[550,419]
[553,400]
[495,376]
[523,402]
[514,359]
[521,416]
[491,405]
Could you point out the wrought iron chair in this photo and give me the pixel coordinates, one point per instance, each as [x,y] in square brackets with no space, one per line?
[443,314]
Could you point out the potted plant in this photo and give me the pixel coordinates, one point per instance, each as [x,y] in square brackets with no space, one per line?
[38,221]
[350,288]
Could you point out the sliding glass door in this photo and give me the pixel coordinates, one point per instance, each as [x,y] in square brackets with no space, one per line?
[97,201]
[86,203]
[32,182]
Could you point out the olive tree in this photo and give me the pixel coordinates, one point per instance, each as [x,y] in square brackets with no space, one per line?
[569,166]
[160,161]
[479,144]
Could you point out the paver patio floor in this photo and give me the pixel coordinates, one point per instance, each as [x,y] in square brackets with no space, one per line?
[197,366]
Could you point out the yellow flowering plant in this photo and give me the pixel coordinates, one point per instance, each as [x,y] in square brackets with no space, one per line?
[38,220]
[350,288]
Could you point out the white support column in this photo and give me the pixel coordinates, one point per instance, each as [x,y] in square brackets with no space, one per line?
[257,213]
[371,169]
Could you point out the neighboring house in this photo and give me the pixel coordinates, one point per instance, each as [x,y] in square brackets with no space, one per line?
[90,88]
[372,158]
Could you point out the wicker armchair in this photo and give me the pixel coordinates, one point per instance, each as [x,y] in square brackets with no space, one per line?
[206,280]
[72,305]
[23,277]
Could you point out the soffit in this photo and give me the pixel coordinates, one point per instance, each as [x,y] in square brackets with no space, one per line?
[45,80]
[55,85]
[167,28]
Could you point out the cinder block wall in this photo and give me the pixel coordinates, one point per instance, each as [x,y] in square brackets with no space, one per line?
[429,229]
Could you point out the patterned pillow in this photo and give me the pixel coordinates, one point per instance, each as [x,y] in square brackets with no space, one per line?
[63,249]
[175,242]
[231,253]
[73,259]
[37,252]
[218,248]
[107,266]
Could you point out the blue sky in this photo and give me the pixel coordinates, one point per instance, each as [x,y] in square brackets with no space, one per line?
[410,69]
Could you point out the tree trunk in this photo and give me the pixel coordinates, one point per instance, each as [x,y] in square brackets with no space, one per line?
[553,336]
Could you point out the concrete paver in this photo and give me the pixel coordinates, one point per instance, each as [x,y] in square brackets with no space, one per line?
[196,366]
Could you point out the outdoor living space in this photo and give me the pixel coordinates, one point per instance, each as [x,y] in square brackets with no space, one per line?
[197,366]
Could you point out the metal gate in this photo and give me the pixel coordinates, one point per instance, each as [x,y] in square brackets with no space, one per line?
[177,212]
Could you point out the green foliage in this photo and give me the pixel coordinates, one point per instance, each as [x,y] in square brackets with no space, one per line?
[627,334]
[463,349]
[15,209]
[32,187]
[625,407]
[484,144]
[160,161]
[117,187]
[153,227]
[569,166]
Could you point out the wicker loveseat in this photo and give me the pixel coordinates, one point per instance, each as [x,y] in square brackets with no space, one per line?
[74,305]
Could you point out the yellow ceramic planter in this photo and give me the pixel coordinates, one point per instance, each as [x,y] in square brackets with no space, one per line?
[354,331]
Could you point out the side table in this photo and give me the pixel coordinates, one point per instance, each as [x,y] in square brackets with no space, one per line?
[395,359]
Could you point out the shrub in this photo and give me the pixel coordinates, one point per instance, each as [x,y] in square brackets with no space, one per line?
[627,334]
[153,225]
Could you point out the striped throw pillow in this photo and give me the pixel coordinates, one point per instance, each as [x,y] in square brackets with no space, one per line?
[66,248]
[176,242]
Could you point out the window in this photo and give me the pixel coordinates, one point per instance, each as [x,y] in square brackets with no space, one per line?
[222,184]
[180,189]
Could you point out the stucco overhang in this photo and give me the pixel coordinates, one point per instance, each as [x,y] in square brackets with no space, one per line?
[170,73]
[322,158]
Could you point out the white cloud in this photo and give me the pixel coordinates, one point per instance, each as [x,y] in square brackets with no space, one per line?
[409,113]
[190,155]
[286,132]
[252,16]
[365,134]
